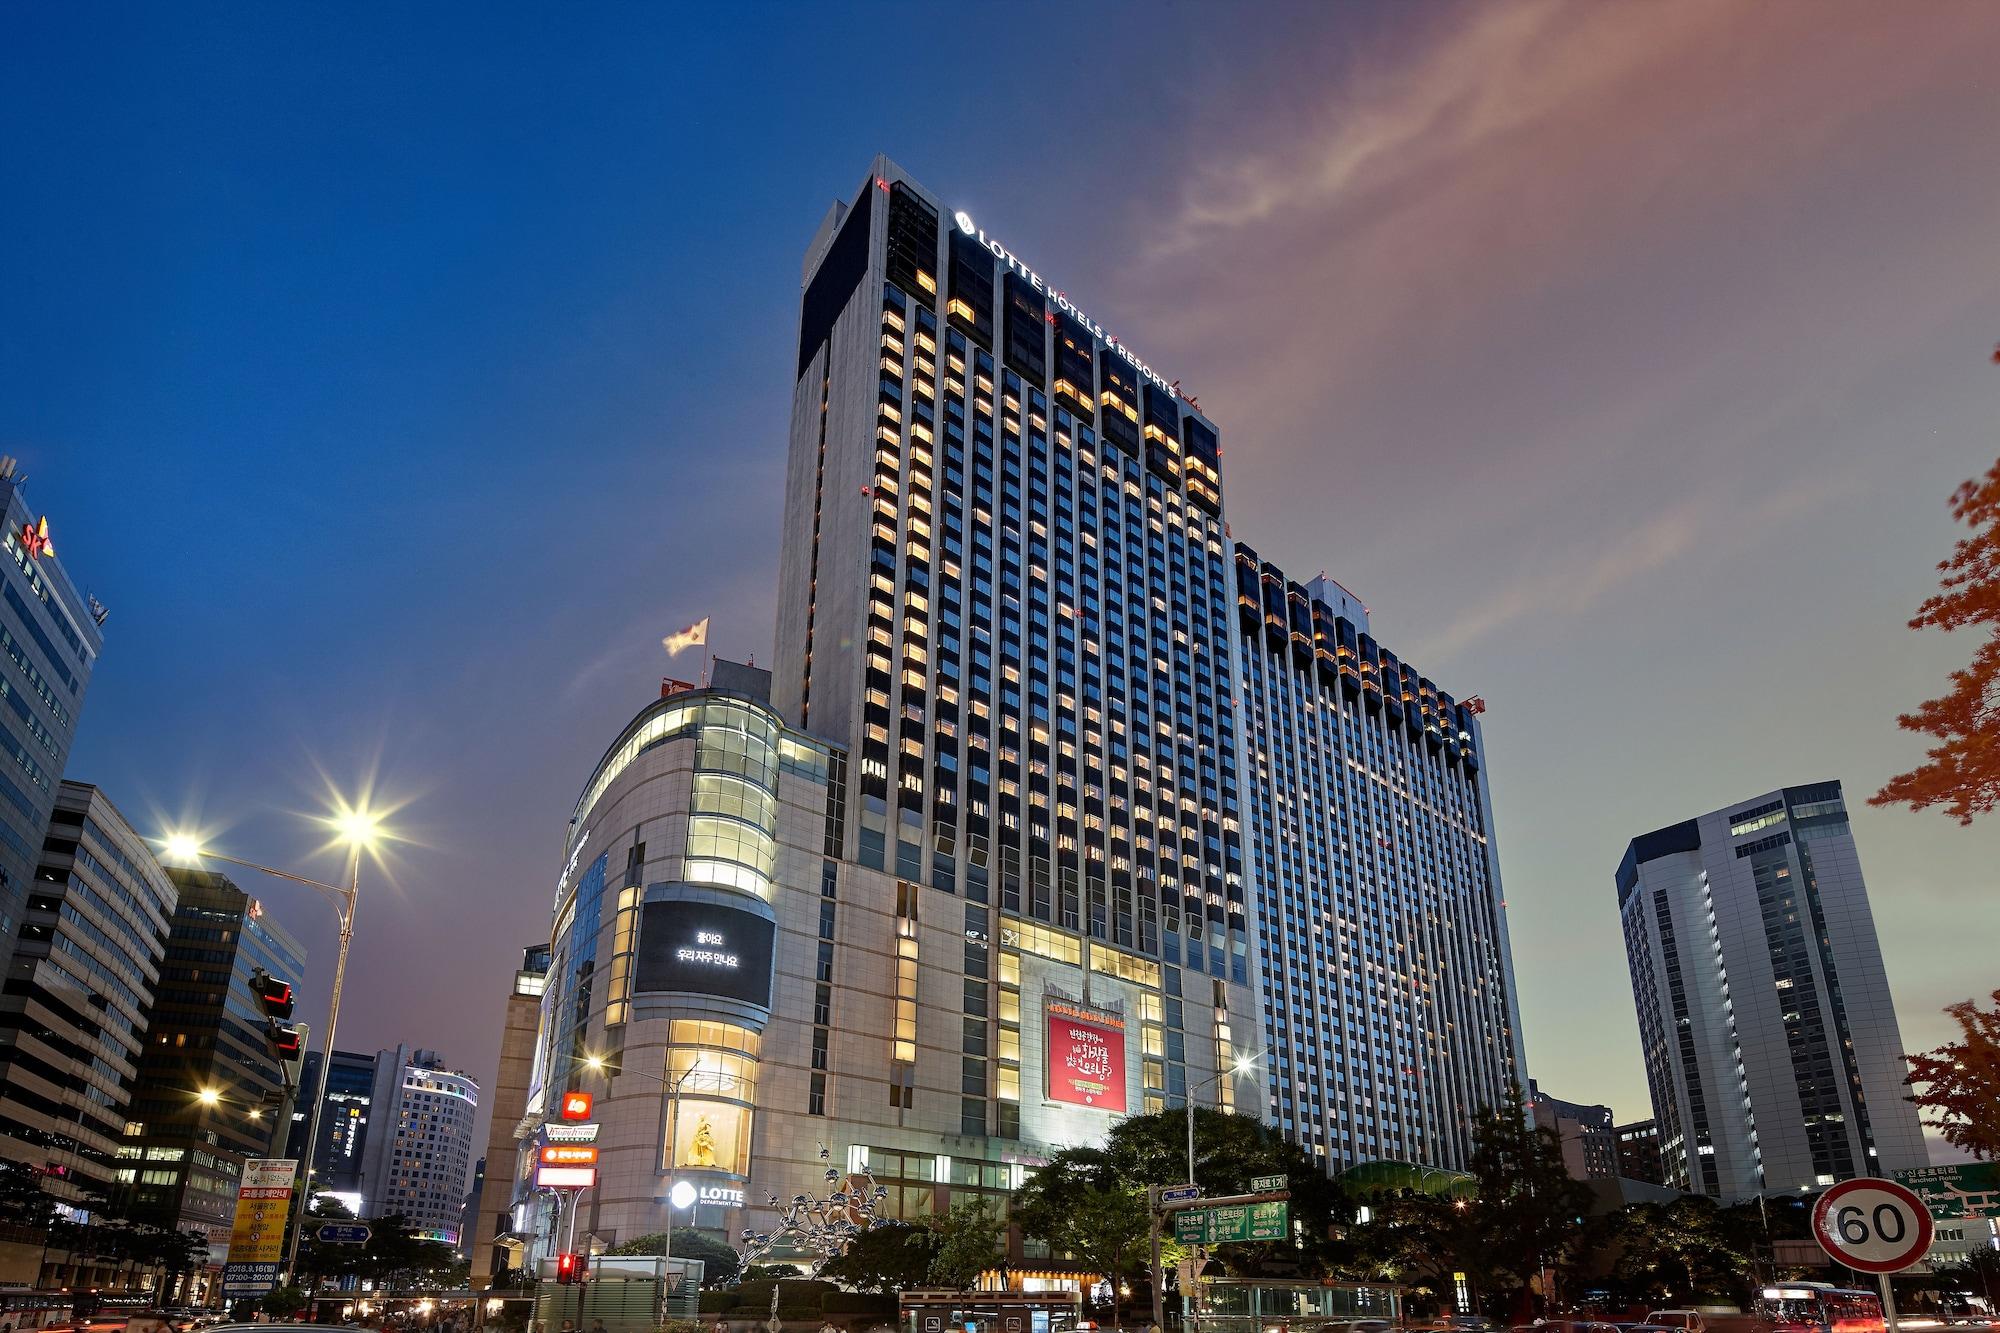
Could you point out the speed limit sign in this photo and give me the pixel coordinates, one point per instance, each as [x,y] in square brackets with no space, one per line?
[1872,1225]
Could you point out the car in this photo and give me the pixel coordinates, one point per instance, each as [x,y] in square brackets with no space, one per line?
[1686,1321]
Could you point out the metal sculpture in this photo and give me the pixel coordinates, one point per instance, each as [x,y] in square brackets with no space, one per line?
[822,1227]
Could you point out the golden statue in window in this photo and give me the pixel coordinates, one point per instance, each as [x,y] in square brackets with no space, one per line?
[701,1144]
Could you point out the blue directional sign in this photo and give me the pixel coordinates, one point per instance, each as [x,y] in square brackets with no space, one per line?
[1180,1193]
[344,1233]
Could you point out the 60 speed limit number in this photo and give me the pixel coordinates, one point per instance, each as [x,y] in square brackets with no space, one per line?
[1876,1226]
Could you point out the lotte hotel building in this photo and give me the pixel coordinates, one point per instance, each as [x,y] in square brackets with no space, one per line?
[1056,803]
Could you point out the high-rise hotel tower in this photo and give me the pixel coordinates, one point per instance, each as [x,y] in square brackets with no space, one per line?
[966,875]
[1007,589]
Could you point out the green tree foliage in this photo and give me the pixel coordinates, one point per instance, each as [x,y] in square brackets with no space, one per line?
[1085,1204]
[23,1201]
[394,1255]
[1229,1152]
[1526,1213]
[720,1264]
[1687,1248]
[282,1302]
[968,1243]
[888,1257]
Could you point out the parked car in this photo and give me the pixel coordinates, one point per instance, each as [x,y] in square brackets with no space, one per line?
[1686,1321]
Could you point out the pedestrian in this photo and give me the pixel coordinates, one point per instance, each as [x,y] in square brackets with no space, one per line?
[597,1326]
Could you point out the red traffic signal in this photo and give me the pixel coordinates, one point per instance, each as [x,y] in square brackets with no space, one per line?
[286,1041]
[569,1268]
[273,995]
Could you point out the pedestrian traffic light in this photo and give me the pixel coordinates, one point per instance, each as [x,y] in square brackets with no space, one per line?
[569,1269]
[273,995]
[286,1040]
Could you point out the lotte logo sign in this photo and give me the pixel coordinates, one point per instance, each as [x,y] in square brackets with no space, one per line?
[1876,1226]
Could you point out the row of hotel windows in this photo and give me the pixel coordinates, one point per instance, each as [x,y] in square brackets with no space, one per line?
[1218,783]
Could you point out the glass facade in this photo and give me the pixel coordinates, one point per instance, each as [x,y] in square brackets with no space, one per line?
[1388,998]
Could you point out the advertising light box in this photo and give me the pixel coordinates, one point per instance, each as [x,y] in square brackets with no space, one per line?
[1084,1057]
[705,948]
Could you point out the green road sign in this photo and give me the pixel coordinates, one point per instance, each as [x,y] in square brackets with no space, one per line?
[1233,1222]
[1967,1189]
[1266,1184]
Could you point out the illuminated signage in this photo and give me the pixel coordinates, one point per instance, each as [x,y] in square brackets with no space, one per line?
[555,1133]
[1059,299]
[569,1154]
[683,1193]
[576,1106]
[35,538]
[1084,1060]
[705,948]
[565,1177]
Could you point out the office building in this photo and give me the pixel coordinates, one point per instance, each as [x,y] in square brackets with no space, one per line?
[1639,1152]
[211,1092]
[1589,1142]
[337,1161]
[419,1151]
[79,988]
[50,637]
[489,1222]
[1770,1038]
[1388,987]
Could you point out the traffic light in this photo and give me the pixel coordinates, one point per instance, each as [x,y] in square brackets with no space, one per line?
[274,997]
[569,1269]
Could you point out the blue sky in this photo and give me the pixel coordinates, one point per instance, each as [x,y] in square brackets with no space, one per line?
[397,376]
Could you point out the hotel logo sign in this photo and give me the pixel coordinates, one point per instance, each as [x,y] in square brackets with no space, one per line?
[1058,299]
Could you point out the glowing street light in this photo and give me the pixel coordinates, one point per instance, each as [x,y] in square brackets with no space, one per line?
[358,828]
[209,1096]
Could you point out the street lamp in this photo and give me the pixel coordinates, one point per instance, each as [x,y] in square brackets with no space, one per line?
[1243,1065]
[359,829]
[681,1194]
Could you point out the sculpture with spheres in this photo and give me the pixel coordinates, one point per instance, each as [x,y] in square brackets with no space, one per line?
[821,1228]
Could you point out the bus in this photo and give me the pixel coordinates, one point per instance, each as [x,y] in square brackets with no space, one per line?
[1820,1307]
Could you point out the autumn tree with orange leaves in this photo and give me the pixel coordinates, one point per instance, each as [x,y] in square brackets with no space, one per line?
[1958,1084]
[1962,772]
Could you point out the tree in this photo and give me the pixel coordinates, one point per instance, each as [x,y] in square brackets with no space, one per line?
[968,1241]
[720,1264]
[1083,1205]
[23,1201]
[282,1302]
[1229,1152]
[1978,1271]
[1526,1215]
[887,1257]
[1689,1244]
[1962,773]
[1958,1084]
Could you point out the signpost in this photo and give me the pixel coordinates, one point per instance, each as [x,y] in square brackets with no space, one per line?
[1179,1193]
[343,1233]
[1220,1226]
[1875,1226]
[1963,1189]
[1268,1184]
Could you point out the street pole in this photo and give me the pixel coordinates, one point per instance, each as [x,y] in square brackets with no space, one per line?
[1159,1278]
[346,912]
[673,1132]
[1888,1303]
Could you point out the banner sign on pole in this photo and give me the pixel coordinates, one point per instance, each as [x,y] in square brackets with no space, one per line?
[257,1241]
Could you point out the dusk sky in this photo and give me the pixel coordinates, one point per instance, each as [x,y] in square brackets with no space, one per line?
[397,376]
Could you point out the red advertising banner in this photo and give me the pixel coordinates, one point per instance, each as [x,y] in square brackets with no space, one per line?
[576,1106]
[1084,1061]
